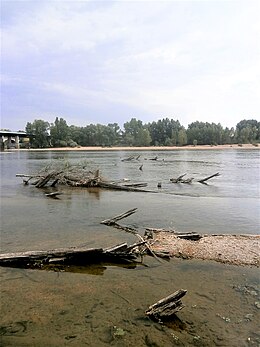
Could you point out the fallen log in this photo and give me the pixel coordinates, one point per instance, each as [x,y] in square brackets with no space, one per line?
[167,307]
[77,176]
[188,180]
[178,179]
[132,157]
[136,185]
[209,177]
[28,176]
[108,185]
[53,194]
[113,222]
[189,236]
[70,256]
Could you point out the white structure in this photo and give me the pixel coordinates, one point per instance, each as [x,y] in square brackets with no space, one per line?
[11,139]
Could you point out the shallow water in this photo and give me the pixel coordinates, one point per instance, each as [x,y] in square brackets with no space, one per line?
[57,309]
[91,306]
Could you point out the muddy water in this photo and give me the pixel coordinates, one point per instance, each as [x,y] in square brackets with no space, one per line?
[101,306]
[106,306]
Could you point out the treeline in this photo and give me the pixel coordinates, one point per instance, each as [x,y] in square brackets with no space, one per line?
[164,132]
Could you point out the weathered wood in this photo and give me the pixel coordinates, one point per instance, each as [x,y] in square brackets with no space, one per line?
[78,177]
[55,182]
[53,194]
[167,306]
[189,236]
[178,179]
[132,157]
[113,222]
[43,181]
[135,185]
[28,176]
[188,180]
[116,248]
[69,256]
[108,185]
[209,177]
[115,219]
[158,230]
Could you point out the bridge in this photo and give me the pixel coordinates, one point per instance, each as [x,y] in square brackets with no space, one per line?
[11,139]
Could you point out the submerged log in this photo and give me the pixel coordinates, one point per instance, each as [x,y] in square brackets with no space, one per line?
[108,185]
[167,307]
[132,157]
[139,185]
[209,177]
[113,222]
[76,176]
[178,179]
[53,194]
[70,256]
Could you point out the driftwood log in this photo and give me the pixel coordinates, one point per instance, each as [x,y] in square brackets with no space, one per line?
[118,254]
[190,235]
[145,239]
[167,307]
[53,194]
[209,177]
[181,179]
[89,180]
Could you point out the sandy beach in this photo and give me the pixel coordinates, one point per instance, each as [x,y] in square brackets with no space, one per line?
[150,148]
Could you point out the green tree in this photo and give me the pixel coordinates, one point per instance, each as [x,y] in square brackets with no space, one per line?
[247,131]
[205,133]
[143,138]
[38,131]
[164,132]
[182,137]
[59,132]
[131,130]
[115,133]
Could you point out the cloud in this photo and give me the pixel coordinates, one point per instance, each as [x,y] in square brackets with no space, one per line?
[197,60]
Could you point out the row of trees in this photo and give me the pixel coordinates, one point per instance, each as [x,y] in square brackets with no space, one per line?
[164,132]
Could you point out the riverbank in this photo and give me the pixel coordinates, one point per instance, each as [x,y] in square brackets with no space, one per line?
[229,249]
[150,148]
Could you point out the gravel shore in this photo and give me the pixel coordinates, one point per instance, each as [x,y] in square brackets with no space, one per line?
[231,249]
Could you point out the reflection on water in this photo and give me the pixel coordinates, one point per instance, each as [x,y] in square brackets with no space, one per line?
[59,308]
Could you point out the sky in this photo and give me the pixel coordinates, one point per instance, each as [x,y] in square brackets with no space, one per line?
[110,61]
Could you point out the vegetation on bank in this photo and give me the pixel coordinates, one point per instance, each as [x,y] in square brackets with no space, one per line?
[164,132]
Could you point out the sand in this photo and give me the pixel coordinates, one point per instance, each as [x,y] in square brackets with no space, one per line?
[150,148]
[230,249]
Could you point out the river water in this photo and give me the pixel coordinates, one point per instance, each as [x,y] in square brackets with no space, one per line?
[89,307]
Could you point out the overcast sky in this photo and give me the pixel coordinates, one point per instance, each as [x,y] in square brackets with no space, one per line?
[109,61]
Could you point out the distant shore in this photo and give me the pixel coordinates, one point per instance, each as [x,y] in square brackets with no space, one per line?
[151,148]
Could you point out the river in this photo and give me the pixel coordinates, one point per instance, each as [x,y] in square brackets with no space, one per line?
[53,309]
